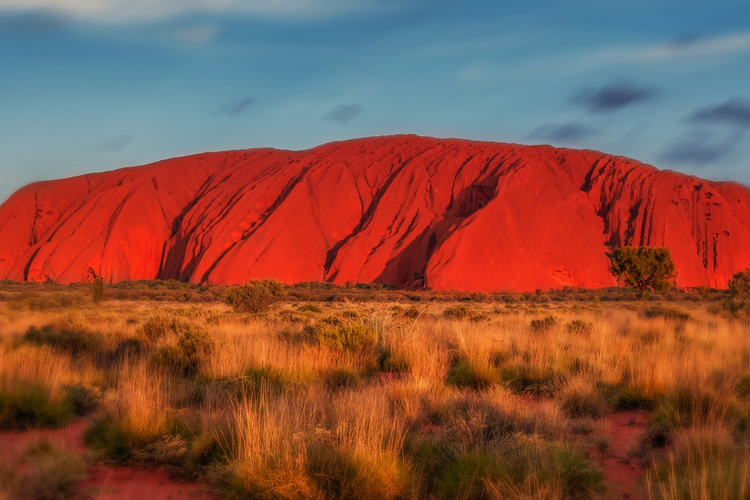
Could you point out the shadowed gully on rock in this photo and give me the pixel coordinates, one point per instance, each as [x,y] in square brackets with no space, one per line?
[403,210]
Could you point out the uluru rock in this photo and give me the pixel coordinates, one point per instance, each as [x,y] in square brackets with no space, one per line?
[401,210]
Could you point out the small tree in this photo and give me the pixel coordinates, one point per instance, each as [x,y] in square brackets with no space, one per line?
[739,285]
[255,296]
[738,303]
[643,268]
[97,291]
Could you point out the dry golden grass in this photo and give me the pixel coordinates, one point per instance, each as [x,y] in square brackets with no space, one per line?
[274,413]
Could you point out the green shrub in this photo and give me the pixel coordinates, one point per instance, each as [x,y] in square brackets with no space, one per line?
[340,474]
[629,397]
[107,434]
[83,398]
[579,327]
[310,308]
[392,362]
[543,325]
[579,398]
[688,406]
[458,312]
[255,296]
[667,313]
[185,357]
[705,464]
[472,375]
[521,468]
[52,472]
[66,335]
[342,377]
[353,336]
[27,406]
[162,325]
[528,379]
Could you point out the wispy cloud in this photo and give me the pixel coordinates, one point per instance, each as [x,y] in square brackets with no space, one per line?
[116,143]
[686,48]
[697,149]
[31,23]
[735,112]
[194,34]
[344,113]
[123,11]
[569,133]
[235,108]
[614,96]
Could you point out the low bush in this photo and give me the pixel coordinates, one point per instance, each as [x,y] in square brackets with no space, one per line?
[255,296]
[187,355]
[579,327]
[579,398]
[310,308]
[666,313]
[543,325]
[630,397]
[687,406]
[52,472]
[66,335]
[527,379]
[28,406]
[458,312]
[83,398]
[162,325]
[468,374]
[522,468]
[703,464]
[348,336]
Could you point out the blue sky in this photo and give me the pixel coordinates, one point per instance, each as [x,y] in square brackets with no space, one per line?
[92,85]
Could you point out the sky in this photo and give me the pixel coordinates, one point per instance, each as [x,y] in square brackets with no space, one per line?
[94,85]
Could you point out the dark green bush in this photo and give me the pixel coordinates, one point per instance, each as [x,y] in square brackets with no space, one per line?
[579,327]
[523,468]
[66,335]
[28,406]
[161,325]
[543,325]
[310,308]
[667,313]
[472,375]
[185,357]
[52,472]
[458,312]
[353,336]
[255,296]
[83,398]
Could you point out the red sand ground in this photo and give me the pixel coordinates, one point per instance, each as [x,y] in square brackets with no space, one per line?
[401,210]
[104,482]
[623,476]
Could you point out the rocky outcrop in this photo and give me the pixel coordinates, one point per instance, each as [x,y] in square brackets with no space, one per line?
[404,210]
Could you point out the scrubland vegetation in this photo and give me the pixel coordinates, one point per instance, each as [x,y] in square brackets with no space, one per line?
[370,393]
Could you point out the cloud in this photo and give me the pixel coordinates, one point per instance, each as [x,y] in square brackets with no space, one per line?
[124,11]
[344,113]
[614,96]
[734,112]
[32,23]
[566,133]
[194,35]
[116,143]
[689,47]
[235,108]
[698,148]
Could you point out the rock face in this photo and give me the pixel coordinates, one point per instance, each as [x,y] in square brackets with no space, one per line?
[401,210]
